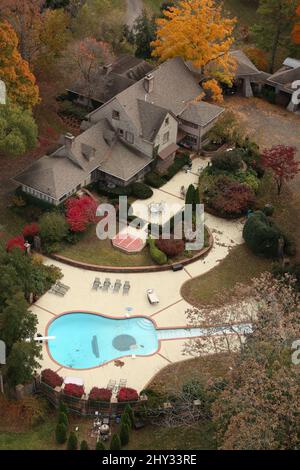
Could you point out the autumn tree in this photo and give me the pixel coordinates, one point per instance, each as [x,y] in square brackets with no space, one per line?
[281,160]
[14,71]
[25,16]
[18,130]
[85,59]
[259,407]
[273,30]
[197,31]
[296,30]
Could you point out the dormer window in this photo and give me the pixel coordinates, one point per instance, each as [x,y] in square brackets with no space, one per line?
[115,114]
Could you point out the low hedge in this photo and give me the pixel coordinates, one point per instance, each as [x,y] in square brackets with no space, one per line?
[100,394]
[141,190]
[51,378]
[127,394]
[154,179]
[74,390]
[156,254]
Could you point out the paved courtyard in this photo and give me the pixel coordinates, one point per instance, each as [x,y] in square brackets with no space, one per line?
[169,313]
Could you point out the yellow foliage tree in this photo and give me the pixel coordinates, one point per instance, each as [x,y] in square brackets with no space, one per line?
[197,31]
[296,30]
[14,71]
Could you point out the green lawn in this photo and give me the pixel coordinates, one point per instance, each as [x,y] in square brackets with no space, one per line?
[239,266]
[39,438]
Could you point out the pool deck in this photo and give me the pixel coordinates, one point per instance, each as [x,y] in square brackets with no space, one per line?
[169,313]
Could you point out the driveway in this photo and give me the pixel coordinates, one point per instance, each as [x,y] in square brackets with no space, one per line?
[268,125]
[134,10]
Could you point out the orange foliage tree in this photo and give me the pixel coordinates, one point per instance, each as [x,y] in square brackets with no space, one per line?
[197,31]
[14,71]
[296,30]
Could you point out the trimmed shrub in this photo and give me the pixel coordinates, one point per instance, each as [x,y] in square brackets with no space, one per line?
[100,446]
[72,442]
[124,434]
[154,179]
[141,190]
[127,394]
[100,394]
[190,194]
[129,411]
[262,235]
[227,161]
[125,419]
[170,247]
[74,390]
[115,442]
[229,198]
[84,445]
[53,229]
[113,193]
[158,256]
[30,231]
[52,379]
[62,408]
[179,162]
[61,433]
[268,210]
[63,419]
[15,242]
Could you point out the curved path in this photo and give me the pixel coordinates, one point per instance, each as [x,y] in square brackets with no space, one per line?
[170,313]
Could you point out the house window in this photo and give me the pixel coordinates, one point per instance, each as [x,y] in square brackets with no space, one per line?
[167,121]
[115,115]
[129,137]
[121,132]
[166,137]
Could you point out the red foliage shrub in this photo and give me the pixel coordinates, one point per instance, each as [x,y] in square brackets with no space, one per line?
[127,394]
[30,231]
[80,213]
[231,198]
[100,394]
[170,247]
[15,242]
[51,378]
[74,390]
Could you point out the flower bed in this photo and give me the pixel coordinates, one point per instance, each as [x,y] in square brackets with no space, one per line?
[51,378]
[100,394]
[74,390]
[127,394]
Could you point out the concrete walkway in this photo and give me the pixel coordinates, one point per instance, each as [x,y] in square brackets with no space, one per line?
[170,313]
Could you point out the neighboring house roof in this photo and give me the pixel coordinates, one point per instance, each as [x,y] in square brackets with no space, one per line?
[131,67]
[112,79]
[285,77]
[151,119]
[201,113]
[244,65]
[173,88]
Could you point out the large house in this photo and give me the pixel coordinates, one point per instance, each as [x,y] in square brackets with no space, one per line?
[124,138]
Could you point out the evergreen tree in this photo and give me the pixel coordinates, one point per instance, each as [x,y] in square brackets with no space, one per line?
[124,434]
[84,445]
[144,34]
[115,442]
[61,433]
[63,419]
[72,442]
[100,446]
[129,411]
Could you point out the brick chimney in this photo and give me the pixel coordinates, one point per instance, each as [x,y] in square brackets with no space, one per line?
[69,139]
[149,83]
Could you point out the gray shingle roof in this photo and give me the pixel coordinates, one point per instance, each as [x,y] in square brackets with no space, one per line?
[151,119]
[285,77]
[174,87]
[201,113]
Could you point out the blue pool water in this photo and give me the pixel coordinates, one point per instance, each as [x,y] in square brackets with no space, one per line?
[84,340]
